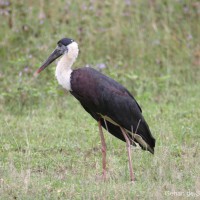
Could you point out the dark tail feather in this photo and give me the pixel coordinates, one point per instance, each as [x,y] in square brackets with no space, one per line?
[143,132]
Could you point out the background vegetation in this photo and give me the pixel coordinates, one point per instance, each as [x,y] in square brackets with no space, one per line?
[50,147]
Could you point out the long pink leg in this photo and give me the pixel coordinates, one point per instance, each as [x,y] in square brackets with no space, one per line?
[103,149]
[129,152]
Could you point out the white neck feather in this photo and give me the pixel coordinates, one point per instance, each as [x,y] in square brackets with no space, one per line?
[63,69]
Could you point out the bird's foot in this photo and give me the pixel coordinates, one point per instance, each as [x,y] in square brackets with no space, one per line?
[103,177]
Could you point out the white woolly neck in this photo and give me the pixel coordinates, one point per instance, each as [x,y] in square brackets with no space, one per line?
[63,69]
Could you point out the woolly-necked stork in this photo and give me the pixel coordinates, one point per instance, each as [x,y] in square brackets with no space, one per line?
[108,102]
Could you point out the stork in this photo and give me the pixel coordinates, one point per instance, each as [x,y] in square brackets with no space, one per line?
[107,101]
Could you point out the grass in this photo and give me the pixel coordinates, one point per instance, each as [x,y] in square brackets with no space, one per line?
[50,147]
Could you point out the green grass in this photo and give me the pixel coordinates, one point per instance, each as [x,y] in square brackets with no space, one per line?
[50,147]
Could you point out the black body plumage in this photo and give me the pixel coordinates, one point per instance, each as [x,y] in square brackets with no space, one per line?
[102,96]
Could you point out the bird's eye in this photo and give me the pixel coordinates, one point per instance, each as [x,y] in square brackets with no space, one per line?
[59,44]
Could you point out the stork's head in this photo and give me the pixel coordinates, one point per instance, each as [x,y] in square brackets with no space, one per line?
[64,46]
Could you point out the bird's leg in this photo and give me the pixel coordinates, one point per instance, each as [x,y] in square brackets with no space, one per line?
[129,152]
[103,149]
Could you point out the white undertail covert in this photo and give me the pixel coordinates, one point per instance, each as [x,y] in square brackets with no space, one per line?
[63,69]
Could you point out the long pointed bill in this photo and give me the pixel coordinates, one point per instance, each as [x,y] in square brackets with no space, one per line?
[55,54]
